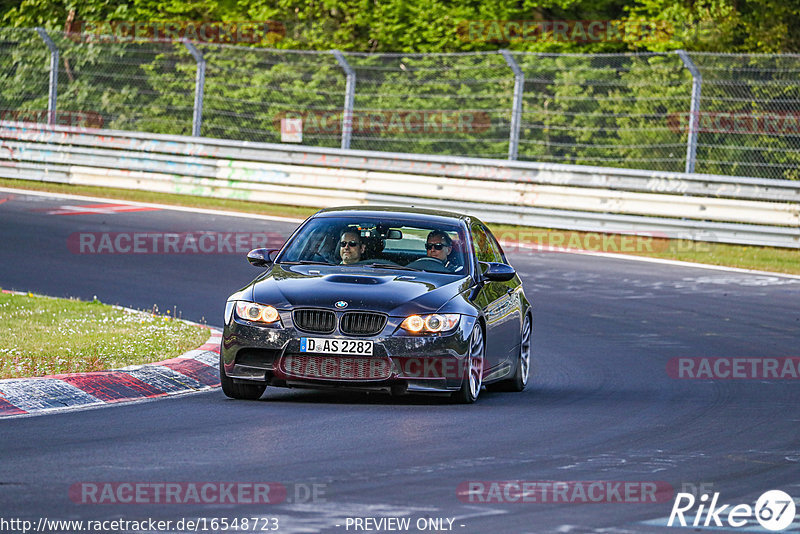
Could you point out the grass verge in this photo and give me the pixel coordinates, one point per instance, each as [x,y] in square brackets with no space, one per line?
[744,257]
[46,336]
[779,260]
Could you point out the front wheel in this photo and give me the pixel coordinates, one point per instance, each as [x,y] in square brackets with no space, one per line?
[473,373]
[239,391]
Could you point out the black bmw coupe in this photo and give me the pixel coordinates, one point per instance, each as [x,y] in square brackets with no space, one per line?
[380,299]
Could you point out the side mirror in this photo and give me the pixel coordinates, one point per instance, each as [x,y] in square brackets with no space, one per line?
[261,257]
[497,272]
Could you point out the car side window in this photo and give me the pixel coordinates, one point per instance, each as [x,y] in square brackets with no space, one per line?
[494,247]
[482,245]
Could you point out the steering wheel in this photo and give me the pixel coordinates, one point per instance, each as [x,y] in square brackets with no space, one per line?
[429,259]
[428,262]
[319,257]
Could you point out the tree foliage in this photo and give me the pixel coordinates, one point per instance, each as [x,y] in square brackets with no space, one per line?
[613,108]
[770,26]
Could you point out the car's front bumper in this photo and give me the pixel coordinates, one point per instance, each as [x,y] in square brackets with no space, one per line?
[400,363]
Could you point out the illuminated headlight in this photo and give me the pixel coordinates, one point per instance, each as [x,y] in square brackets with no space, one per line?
[256,313]
[437,322]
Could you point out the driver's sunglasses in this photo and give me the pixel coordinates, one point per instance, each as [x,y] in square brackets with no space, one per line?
[353,244]
[437,246]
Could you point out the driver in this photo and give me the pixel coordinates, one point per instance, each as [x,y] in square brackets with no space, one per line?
[351,247]
[439,245]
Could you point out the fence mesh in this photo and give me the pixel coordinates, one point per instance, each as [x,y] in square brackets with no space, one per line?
[605,110]
[615,110]
[24,75]
[750,120]
[249,90]
[146,86]
[436,104]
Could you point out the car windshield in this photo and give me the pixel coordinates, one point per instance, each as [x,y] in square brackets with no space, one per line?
[380,243]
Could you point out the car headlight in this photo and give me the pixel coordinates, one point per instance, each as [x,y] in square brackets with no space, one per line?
[256,313]
[229,311]
[434,323]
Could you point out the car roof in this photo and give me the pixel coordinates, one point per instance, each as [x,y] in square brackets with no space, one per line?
[392,211]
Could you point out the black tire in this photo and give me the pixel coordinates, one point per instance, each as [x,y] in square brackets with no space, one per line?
[522,369]
[238,390]
[473,372]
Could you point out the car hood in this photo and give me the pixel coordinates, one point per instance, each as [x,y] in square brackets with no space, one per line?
[397,293]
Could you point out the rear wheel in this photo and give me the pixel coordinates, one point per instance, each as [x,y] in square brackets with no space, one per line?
[519,380]
[238,390]
[473,372]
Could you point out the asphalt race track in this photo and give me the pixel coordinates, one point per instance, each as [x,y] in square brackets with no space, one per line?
[601,406]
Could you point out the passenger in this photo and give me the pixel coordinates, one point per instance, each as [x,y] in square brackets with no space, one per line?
[351,247]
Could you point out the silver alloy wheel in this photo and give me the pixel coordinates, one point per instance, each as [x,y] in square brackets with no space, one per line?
[476,362]
[525,351]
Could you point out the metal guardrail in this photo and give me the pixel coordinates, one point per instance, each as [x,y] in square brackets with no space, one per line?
[688,206]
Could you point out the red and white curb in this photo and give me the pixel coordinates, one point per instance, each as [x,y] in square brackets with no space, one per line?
[195,370]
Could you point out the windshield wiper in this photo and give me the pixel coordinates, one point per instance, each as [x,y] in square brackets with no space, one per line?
[390,266]
[305,262]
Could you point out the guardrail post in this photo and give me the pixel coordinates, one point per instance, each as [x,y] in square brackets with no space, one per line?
[199,88]
[349,98]
[694,112]
[516,109]
[53,92]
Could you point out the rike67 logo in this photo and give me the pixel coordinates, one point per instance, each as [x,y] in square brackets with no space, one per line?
[774,510]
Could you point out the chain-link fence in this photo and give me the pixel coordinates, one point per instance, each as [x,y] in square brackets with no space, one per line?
[711,113]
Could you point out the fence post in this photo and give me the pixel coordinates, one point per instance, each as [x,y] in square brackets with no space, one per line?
[694,112]
[199,88]
[53,92]
[349,98]
[516,110]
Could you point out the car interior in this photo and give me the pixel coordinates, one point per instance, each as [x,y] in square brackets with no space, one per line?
[389,244]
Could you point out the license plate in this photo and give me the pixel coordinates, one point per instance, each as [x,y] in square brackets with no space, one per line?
[319,345]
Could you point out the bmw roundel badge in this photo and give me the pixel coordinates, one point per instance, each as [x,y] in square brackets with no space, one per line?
[341,304]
